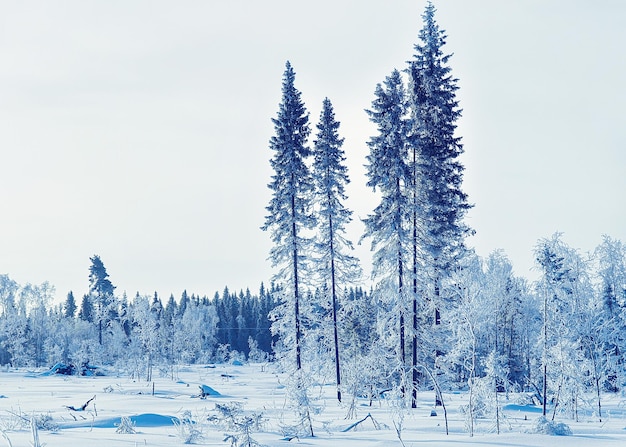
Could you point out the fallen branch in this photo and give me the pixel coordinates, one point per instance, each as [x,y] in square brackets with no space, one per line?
[369,416]
[82,408]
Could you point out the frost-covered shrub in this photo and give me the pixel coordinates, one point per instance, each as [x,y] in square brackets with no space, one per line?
[126,426]
[256,355]
[231,417]
[301,406]
[222,353]
[545,427]
[17,421]
[45,422]
[13,421]
[189,431]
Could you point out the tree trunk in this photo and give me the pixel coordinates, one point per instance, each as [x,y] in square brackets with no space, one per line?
[296,294]
[334,296]
[545,353]
[414,377]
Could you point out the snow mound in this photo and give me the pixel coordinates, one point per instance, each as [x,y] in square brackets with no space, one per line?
[544,427]
[139,420]
[208,391]
[520,407]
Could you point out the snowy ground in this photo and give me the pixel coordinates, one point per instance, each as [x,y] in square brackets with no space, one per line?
[26,394]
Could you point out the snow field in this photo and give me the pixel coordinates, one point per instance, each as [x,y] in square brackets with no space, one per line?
[260,389]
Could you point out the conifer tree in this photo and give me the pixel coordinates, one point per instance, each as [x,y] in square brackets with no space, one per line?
[101,289]
[438,202]
[335,266]
[69,307]
[289,210]
[438,174]
[85,312]
[388,172]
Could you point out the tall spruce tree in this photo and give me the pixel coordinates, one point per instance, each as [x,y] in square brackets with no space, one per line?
[387,171]
[290,211]
[335,265]
[438,174]
[439,204]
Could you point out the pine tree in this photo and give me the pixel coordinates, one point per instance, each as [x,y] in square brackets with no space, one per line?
[171,310]
[290,210]
[611,256]
[439,204]
[101,288]
[336,267]
[438,173]
[388,172]
[86,309]
[184,302]
[263,326]
[69,307]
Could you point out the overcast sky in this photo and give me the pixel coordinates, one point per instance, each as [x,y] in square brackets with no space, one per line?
[138,130]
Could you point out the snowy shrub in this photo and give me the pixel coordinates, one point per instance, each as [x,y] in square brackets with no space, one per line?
[245,426]
[13,421]
[45,422]
[256,355]
[226,414]
[301,405]
[222,353]
[230,416]
[126,426]
[17,421]
[188,430]
[545,427]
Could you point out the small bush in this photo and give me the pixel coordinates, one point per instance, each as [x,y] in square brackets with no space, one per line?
[188,431]
[126,426]
[545,427]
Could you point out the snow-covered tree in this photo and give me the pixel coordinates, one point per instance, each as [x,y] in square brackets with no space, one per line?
[438,173]
[388,173]
[101,292]
[610,258]
[336,267]
[37,299]
[14,335]
[289,212]
[146,332]
[8,290]
[69,307]
[565,289]
[505,294]
[437,200]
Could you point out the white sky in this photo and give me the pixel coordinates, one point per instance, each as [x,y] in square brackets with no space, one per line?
[138,130]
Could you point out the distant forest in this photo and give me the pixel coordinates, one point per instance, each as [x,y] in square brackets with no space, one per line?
[106,329]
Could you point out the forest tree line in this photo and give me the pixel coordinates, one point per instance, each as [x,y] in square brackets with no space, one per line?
[497,328]
[105,328]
